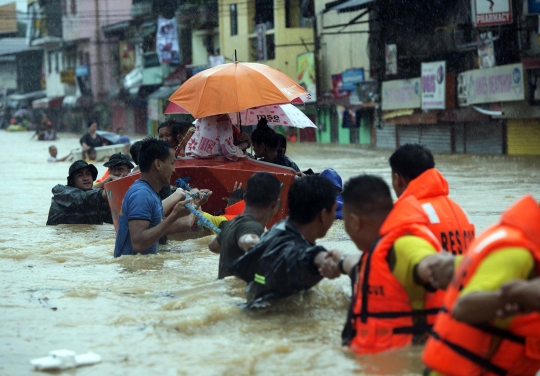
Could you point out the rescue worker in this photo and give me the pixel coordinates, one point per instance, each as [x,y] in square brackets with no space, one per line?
[392,279]
[119,166]
[414,174]
[468,338]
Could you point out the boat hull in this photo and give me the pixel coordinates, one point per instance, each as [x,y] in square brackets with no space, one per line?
[217,174]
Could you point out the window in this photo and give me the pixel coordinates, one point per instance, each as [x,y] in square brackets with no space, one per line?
[234,19]
[49,62]
[73,6]
[87,56]
[293,15]
[57,62]
[264,13]
[81,58]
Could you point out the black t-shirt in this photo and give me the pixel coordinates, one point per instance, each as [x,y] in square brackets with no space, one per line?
[282,160]
[92,142]
[228,239]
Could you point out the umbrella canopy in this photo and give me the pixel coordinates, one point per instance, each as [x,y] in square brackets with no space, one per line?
[109,136]
[23,112]
[283,114]
[235,87]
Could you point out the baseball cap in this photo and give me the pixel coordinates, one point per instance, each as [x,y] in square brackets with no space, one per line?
[118,159]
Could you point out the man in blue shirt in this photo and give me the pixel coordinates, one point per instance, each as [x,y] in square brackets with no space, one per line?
[141,221]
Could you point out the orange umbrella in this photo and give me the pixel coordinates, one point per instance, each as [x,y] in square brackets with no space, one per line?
[235,87]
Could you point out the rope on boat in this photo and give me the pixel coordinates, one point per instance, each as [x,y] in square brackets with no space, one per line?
[182,183]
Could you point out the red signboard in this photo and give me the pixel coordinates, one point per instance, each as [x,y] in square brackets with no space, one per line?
[492,12]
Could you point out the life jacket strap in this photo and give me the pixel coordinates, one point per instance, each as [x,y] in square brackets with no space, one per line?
[395,315]
[417,329]
[484,363]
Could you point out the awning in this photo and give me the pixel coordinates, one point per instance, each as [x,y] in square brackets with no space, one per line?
[49,102]
[163,92]
[342,6]
[32,95]
[77,101]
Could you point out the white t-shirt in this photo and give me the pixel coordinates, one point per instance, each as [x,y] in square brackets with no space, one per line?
[51,159]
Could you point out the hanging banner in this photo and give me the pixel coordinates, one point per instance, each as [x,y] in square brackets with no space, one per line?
[305,74]
[492,12]
[127,57]
[434,85]
[401,94]
[391,59]
[486,50]
[499,84]
[260,30]
[167,41]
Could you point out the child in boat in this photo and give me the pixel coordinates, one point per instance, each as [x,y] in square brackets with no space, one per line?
[213,137]
[265,146]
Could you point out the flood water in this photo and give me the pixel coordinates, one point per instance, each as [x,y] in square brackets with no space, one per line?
[167,314]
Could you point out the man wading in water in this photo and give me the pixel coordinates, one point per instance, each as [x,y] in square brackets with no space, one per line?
[141,223]
[77,202]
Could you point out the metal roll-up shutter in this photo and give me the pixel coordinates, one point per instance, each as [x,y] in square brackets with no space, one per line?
[386,137]
[523,136]
[437,138]
[484,138]
[459,138]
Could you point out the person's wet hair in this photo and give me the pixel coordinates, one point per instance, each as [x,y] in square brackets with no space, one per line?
[179,128]
[262,189]
[52,146]
[282,142]
[134,151]
[90,122]
[411,160]
[367,194]
[236,196]
[152,149]
[166,123]
[309,196]
[264,135]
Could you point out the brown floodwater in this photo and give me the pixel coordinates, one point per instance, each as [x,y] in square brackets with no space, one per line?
[167,314]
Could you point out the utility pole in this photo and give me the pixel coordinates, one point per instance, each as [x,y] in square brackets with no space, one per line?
[99,62]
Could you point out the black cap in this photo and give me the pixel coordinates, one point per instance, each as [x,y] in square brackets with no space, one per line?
[79,165]
[118,159]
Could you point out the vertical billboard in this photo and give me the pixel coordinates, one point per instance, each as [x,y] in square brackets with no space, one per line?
[305,74]
[434,85]
[167,41]
[127,57]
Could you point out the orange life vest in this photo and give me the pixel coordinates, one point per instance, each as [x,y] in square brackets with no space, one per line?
[448,221]
[456,348]
[381,316]
[234,210]
[105,175]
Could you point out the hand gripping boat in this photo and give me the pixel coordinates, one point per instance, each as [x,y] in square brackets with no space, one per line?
[216,174]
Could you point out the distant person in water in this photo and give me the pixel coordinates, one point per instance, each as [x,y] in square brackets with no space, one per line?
[91,139]
[53,155]
[78,202]
[265,146]
[123,139]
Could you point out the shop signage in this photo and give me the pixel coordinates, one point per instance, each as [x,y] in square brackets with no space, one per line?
[533,6]
[351,77]
[401,94]
[67,77]
[499,84]
[337,84]
[434,85]
[82,71]
[305,74]
[492,12]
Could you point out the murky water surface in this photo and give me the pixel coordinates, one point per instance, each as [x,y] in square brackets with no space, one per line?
[167,314]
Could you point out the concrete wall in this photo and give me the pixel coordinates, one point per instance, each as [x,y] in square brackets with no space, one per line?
[82,26]
[341,51]
[288,40]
